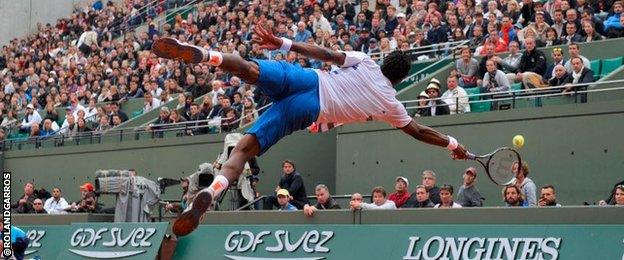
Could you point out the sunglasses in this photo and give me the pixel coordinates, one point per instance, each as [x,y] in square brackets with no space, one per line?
[557,49]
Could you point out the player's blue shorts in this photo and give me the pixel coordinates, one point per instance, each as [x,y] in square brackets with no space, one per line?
[296,104]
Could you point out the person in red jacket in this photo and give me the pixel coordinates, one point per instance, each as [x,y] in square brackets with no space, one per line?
[401,193]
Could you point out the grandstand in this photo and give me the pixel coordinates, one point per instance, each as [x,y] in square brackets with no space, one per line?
[85,93]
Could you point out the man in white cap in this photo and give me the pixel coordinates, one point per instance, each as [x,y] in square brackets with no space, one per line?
[401,193]
[31,116]
[437,107]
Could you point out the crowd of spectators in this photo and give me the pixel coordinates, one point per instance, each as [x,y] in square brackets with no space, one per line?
[42,202]
[522,193]
[95,56]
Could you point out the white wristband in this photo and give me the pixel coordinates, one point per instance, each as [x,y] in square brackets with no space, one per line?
[286,44]
[452,145]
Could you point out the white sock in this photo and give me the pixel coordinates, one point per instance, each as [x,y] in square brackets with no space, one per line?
[219,184]
[215,58]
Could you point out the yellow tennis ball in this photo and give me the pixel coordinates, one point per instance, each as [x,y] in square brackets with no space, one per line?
[518,141]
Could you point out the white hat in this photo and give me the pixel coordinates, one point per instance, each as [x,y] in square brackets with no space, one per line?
[401,15]
[30,106]
[403,179]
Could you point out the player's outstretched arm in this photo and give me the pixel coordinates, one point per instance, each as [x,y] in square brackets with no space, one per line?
[268,41]
[429,135]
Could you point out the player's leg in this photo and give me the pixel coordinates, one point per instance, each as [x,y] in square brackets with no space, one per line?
[170,48]
[247,148]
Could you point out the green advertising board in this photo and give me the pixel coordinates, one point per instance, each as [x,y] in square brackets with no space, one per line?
[407,242]
[137,241]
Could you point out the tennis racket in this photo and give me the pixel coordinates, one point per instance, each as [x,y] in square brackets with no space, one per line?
[498,165]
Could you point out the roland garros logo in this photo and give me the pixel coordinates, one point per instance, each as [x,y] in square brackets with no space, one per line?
[281,241]
[112,241]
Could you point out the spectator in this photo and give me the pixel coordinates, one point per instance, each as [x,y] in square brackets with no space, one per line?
[454,94]
[467,68]
[446,198]
[150,102]
[85,189]
[525,184]
[429,181]
[510,63]
[38,207]
[163,119]
[591,34]
[25,202]
[10,120]
[575,51]
[572,34]
[379,201]
[114,109]
[513,197]
[47,129]
[249,113]
[88,204]
[401,194]
[617,197]
[323,201]
[31,116]
[282,199]
[437,107]
[562,77]
[419,199]
[548,197]
[551,38]
[617,32]
[56,204]
[423,105]
[494,80]
[356,197]
[468,195]
[532,66]
[438,32]
[614,21]
[229,121]
[293,182]
[580,74]
[557,55]
[195,116]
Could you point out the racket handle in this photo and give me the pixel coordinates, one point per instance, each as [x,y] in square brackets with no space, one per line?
[470,156]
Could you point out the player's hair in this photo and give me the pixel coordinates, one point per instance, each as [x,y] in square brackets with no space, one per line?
[396,66]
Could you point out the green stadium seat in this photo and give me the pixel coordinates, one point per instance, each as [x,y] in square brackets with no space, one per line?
[480,107]
[595,67]
[471,92]
[516,86]
[610,65]
[137,113]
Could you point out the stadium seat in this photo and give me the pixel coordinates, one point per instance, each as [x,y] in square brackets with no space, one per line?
[595,67]
[610,65]
[480,107]
[137,113]
[471,92]
[516,86]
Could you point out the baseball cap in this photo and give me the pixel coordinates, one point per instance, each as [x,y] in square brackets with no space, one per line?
[403,179]
[283,192]
[87,186]
[433,86]
[471,170]
[30,106]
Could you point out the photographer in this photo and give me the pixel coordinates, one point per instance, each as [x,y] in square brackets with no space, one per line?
[178,207]
[87,205]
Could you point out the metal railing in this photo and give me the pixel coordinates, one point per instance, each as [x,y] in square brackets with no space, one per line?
[433,49]
[514,95]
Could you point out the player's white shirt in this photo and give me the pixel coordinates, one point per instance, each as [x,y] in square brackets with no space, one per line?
[359,92]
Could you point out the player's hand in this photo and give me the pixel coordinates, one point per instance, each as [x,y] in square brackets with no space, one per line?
[265,38]
[460,153]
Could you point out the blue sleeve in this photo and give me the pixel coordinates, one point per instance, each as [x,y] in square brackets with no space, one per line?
[16,232]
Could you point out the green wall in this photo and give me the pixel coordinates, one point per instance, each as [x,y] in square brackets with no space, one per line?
[577,148]
[70,166]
